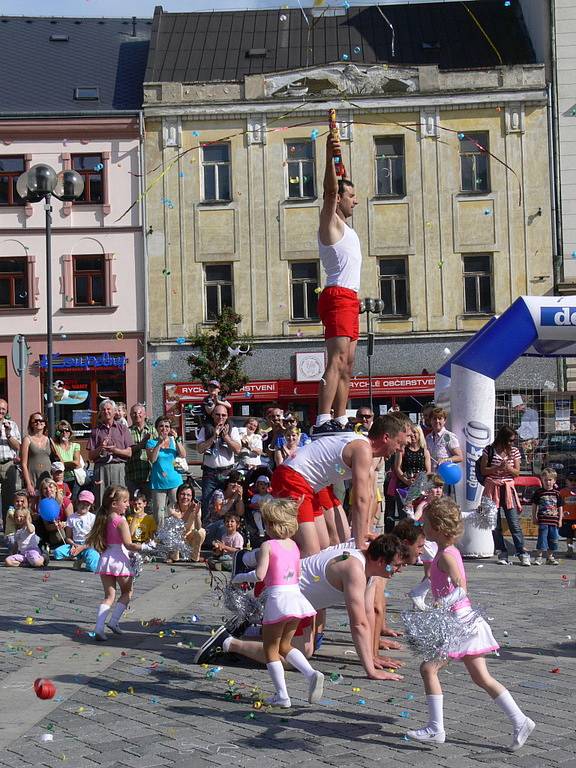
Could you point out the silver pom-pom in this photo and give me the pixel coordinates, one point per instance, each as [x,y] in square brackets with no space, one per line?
[419,487]
[136,563]
[170,538]
[485,516]
[432,634]
[244,607]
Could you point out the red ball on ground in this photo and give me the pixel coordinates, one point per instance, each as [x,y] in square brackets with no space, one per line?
[44,689]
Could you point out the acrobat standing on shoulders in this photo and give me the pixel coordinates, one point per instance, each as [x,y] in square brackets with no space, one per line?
[338,305]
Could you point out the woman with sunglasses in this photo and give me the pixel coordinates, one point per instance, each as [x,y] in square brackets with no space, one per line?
[164,478]
[67,452]
[35,453]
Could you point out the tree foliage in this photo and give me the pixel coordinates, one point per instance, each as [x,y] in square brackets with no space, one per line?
[217,353]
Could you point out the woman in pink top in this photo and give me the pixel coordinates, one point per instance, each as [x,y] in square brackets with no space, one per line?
[110,535]
[279,568]
[443,524]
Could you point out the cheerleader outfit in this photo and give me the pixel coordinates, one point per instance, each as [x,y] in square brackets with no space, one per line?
[481,640]
[284,601]
[114,561]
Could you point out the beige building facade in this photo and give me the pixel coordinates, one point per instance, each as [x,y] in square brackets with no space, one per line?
[450,234]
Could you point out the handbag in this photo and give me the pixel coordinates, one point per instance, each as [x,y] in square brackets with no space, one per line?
[80,472]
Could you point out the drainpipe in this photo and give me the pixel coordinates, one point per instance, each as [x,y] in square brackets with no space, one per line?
[144,220]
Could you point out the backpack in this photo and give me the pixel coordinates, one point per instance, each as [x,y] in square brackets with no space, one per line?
[479,476]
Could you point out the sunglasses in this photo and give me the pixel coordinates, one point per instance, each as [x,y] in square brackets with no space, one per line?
[65,429]
[365,416]
[38,421]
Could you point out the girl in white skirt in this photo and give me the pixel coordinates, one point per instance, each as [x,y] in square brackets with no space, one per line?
[110,535]
[443,524]
[278,566]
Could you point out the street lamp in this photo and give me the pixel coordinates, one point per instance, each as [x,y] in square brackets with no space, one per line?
[41,182]
[370,307]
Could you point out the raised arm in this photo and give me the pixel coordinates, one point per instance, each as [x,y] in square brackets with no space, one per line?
[331,227]
[363,485]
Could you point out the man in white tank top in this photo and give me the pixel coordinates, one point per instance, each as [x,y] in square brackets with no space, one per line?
[338,305]
[334,577]
[340,456]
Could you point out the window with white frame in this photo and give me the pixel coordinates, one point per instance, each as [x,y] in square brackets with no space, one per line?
[477,271]
[390,171]
[14,282]
[304,289]
[216,172]
[219,289]
[300,181]
[474,165]
[394,286]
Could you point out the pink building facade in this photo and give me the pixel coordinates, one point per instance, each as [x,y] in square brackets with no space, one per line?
[98,265]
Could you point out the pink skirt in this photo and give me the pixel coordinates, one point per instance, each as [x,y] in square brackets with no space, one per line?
[479,642]
[285,602]
[114,561]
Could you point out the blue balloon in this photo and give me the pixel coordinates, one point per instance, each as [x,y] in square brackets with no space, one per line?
[49,510]
[450,472]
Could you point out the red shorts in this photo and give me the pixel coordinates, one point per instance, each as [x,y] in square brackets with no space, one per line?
[339,310]
[302,625]
[288,484]
[327,498]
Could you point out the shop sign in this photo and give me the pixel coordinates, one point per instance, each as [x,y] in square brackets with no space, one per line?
[258,390]
[104,360]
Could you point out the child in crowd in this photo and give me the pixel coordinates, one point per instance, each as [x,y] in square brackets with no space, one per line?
[261,496]
[547,514]
[110,535]
[57,471]
[20,503]
[78,526]
[418,593]
[121,416]
[142,525]
[25,550]
[52,534]
[231,542]
[568,527]
[195,533]
[443,525]
[279,568]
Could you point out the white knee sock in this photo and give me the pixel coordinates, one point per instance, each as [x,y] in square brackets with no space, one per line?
[511,709]
[322,418]
[257,515]
[342,420]
[300,662]
[226,644]
[249,558]
[103,610]
[276,672]
[420,590]
[116,614]
[435,712]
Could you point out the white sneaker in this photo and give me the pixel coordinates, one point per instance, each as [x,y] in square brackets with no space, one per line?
[521,735]
[525,560]
[552,560]
[419,602]
[315,688]
[427,734]
[502,558]
[539,560]
[276,701]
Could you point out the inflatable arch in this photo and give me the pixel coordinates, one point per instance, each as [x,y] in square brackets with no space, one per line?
[542,326]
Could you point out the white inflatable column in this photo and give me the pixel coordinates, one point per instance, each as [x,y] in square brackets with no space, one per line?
[473,402]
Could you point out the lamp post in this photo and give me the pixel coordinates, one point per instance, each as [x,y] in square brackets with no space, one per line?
[370,307]
[41,182]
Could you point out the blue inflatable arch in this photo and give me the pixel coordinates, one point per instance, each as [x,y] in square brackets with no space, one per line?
[541,326]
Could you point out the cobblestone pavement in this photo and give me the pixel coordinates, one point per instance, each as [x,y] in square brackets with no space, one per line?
[138,701]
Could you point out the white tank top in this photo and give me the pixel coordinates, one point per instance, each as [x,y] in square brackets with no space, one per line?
[342,261]
[320,462]
[313,582]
